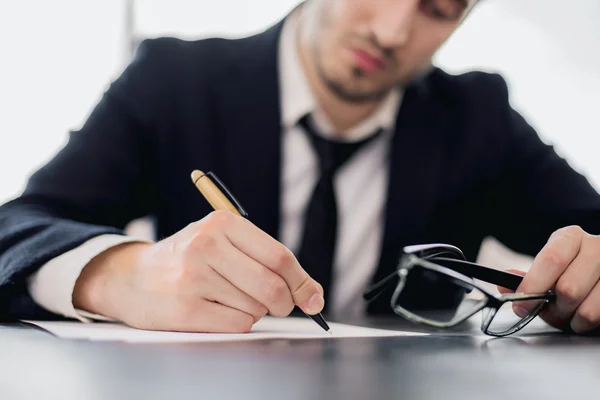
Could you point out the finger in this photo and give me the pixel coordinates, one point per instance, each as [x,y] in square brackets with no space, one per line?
[587,316]
[504,290]
[576,283]
[252,278]
[261,247]
[222,319]
[516,306]
[552,261]
[220,290]
[206,316]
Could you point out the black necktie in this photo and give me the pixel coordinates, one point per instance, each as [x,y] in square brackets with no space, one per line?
[317,249]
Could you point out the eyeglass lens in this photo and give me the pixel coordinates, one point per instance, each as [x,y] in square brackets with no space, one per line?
[436,297]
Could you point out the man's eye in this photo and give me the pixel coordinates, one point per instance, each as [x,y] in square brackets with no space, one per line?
[449,10]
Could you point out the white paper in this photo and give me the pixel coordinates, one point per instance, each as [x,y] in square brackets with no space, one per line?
[266,328]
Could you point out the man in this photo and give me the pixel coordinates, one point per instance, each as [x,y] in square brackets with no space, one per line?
[342,142]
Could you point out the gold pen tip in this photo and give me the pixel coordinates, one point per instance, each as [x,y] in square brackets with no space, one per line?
[197,174]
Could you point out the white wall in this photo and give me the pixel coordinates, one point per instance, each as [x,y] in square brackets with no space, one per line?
[198,18]
[56,58]
[549,51]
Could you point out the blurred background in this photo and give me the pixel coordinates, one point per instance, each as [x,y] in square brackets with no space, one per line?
[59,56]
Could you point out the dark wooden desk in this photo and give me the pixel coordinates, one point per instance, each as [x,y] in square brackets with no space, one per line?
[459,364]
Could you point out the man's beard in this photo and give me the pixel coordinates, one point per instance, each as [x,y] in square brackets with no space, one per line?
[352,96]
[348,95]
[342,91]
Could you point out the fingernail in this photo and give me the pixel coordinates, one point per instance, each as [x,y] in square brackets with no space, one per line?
[315,304]
[520,311]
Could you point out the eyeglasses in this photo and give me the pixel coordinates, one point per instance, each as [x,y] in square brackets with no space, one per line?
[436,286]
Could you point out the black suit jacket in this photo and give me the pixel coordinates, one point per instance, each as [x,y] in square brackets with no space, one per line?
[464,164]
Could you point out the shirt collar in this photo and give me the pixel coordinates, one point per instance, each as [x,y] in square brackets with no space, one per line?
[297,99]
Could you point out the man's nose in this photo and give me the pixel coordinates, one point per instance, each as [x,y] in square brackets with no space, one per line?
[393,21]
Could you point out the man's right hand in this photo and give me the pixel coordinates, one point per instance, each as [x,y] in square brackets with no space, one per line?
[220,274]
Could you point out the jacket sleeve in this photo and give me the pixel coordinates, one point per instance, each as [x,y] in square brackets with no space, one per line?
[537,191]
[51,287]
[95,185]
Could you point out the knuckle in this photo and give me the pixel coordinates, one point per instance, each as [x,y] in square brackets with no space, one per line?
[244,323]
[193,225]
[592,242]
[568,292]
[574,230]
[205,242]
[218,218]
[589,316]
[199,276]
[306,287]
[569,231]
[283,259]
[554,258]
[275,291]
[181,275]
[176,274]
[283,309]
[259,311]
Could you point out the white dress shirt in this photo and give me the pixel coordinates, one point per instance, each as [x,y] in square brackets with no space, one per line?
[360,187]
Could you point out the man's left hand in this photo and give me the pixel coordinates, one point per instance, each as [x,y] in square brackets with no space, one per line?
[569,264]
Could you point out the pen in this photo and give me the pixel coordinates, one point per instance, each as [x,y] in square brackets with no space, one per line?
[219,197]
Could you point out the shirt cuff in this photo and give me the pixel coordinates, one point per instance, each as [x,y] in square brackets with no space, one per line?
[51,287]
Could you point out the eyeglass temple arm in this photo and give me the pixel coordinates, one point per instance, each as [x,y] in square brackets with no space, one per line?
[379,287]
[428,251]
[504,279]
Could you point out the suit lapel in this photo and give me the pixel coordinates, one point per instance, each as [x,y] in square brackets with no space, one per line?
[414,173]
[249,107]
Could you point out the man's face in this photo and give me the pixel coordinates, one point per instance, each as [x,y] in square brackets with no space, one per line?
[363,48]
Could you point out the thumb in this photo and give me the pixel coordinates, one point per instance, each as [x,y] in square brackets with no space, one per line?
[309,296]
[503,290]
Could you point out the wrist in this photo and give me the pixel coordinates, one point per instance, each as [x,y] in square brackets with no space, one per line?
[97,289]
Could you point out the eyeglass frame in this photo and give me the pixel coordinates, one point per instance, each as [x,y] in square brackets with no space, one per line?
[426,256]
